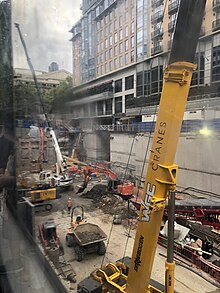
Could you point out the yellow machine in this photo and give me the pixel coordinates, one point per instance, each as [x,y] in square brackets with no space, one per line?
[162,172]
[41,198]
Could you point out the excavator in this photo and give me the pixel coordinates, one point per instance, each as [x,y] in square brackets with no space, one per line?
[123,188]
[134,275]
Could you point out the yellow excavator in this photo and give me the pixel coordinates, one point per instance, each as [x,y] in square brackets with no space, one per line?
[133,275]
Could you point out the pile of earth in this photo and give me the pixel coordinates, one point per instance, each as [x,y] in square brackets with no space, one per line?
[110,203]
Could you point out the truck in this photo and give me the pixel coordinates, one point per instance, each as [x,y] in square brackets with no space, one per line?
[85,237]
[134,275]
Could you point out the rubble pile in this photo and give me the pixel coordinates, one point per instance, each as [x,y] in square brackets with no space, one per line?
[110,203]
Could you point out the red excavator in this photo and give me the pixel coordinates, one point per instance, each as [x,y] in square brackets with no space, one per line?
[123,188]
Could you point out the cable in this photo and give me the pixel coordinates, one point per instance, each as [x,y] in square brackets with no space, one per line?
[110,233]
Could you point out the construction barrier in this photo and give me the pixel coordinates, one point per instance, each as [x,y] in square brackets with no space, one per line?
[194,258]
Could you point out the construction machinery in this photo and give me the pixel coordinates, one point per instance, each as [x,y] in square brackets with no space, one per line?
[134,275]
[85,237]
[61,179]
[121,187]
[49,237]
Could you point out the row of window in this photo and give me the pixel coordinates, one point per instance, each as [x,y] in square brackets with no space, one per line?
[109,42]
[129,84]
[108,54]
[108,30]
[117,62]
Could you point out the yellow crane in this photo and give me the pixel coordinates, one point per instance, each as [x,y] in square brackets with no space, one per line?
[162,172]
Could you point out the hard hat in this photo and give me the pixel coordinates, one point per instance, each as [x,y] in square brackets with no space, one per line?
[69,197]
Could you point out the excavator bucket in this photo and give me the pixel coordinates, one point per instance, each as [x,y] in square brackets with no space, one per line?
[81,188]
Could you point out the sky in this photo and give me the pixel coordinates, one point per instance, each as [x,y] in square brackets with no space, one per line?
[45,27]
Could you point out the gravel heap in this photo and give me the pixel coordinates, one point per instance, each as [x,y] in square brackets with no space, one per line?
[110,203]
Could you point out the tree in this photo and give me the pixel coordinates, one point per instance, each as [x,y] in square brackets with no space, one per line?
[25,100]
[58,97]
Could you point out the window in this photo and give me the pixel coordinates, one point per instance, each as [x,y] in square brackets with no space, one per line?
[118,105]
[126,31]
[110,28]
[106,67]
[100,108]
[126,17]
[106,19]
[132,56]
[106,55]
[110,41]
[120,35]
[120,48]
[132,42]
[110,16]
[106,30]
[115,50]
[129,82]
[118,85]
[132,12]
[126,45]
[126,58]
[120,20]
[101,57]
[126,3]
[116,37]
[116,24]
[129,101]
[216,64]
[120,61]
[100,34]
[116,63]
[110,53]
[106,43]
[132,27]
[110,66]
[108,107]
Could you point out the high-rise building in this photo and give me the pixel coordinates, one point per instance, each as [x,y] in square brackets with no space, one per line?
[120,50]
[53,67]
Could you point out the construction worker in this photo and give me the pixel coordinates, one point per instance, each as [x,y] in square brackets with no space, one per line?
[69,204]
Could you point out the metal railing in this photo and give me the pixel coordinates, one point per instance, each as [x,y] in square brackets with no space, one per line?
[216,25]
[173,7]
[188,126]
[189,255]
[216,4]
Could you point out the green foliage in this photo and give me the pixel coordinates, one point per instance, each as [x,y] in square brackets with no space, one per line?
[27,103]
[25,100]
[61,95]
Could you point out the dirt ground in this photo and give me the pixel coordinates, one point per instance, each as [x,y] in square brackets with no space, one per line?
[119,243]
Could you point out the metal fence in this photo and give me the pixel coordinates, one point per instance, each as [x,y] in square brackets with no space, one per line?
[188,126]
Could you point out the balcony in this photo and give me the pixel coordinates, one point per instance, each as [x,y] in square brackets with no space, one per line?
[173,7]
[156,17]
[156,3]
[156,49]
[171,26]
[157,33]
[216,5]
[216,25]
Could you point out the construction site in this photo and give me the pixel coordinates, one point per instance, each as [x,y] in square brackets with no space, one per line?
[113,208]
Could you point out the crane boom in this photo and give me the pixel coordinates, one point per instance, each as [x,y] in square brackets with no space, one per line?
[162,172]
